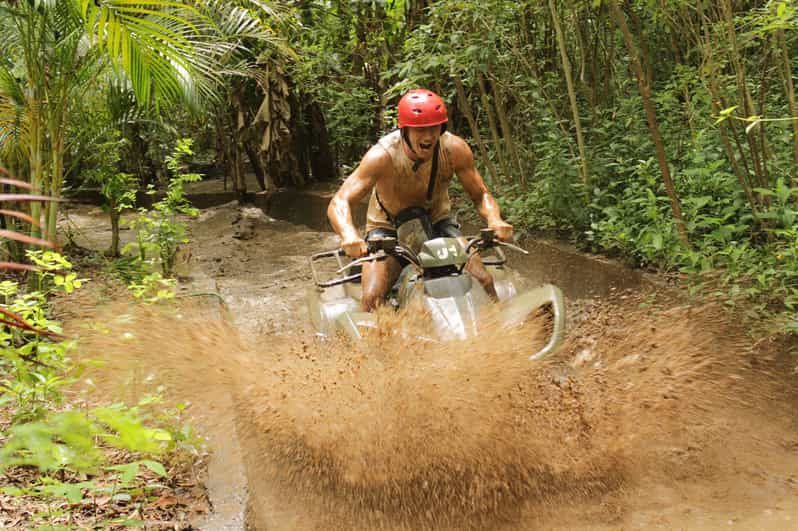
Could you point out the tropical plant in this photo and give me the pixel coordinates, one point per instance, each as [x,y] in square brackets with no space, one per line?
[160,231]
[168,51]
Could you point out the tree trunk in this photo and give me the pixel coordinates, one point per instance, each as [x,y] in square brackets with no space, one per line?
[276,145]
[322,162]
[501,111]
[566,66]
[220,165]
[494,131]
[114,249]
[645,92]
[790,90]
[645,63]
[240,180]
[57,163]
[415,12]
[239,176]
[36,166]
[257,167]
[742,87]
[466,110]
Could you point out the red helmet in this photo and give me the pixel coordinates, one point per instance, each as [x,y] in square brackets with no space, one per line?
[421,108]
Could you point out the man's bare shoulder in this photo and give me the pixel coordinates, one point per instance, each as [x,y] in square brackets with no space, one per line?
[459,151]
[376,161]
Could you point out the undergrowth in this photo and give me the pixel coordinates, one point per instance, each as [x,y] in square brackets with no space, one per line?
[66,457]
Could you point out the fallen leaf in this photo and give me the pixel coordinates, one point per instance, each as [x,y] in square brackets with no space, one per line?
[101,501]
[165,501]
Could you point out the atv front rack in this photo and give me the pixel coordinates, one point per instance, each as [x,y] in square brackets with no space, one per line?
[337,254]
[379,248]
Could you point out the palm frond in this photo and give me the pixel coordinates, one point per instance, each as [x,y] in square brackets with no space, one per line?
[13,118]
[155,43]
[24,238]
[7,179]
[17,321]
[13,182]
[20,216]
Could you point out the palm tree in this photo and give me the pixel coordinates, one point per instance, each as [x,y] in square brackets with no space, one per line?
[169,51]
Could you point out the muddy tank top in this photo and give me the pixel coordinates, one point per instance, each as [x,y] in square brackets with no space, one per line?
[405,182]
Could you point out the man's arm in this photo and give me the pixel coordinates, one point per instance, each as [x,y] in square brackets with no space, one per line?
[355,188]
[463,161]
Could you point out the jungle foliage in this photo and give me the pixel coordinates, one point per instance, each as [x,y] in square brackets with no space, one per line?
[662,132]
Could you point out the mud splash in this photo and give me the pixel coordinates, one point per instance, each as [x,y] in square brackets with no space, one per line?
[397,432]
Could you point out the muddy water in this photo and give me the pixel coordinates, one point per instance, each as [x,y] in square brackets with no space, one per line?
[648,417]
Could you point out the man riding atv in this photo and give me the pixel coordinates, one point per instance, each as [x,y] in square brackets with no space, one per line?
[408,170]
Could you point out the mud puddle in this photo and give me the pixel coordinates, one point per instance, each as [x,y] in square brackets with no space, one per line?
[649,416]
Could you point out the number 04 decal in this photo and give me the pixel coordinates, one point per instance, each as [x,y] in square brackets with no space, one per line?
[443,252]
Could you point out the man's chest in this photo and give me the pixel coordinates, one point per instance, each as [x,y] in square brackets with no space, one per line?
[412,189]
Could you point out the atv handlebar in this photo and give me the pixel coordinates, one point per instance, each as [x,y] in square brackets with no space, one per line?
[487,240]
[381,248]
[378,249]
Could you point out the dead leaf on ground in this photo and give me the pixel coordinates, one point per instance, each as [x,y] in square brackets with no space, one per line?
[166,501]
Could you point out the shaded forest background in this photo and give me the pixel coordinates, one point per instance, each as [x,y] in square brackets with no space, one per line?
[662,131]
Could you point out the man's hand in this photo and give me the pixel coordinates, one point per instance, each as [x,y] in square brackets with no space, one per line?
[503,230]
[354,246]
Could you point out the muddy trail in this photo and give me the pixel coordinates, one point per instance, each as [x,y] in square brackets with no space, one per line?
[655,414]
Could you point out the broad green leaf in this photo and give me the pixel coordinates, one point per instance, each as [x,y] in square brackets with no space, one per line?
[128,471]
[657,241]
[155,466]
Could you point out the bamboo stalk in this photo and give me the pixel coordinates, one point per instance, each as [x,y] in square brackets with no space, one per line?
[566,66]
[501,111]
[645,92]
[790,90]
[494,131]
[763,89]
[466,110]
[727,147]
[559,120]
[742,87]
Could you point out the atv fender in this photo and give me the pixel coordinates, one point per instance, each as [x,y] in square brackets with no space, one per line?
[352,322]
[517,309]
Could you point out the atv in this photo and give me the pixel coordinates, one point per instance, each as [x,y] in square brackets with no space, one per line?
[436,278]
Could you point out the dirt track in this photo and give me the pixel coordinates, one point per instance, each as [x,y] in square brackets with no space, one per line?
[654,417]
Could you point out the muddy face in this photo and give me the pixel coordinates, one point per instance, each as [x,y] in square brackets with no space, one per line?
[423,140]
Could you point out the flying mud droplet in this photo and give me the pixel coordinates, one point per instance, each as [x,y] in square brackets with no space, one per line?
[398,432]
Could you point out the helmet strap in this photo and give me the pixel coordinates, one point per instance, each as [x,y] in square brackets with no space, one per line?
[406,138]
